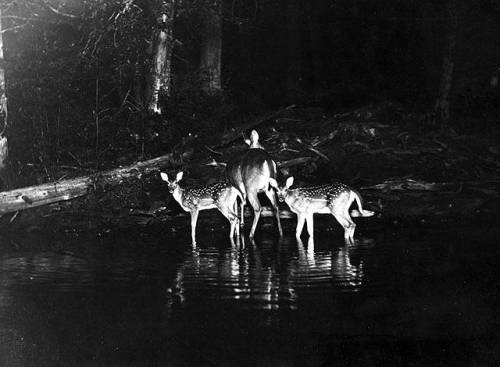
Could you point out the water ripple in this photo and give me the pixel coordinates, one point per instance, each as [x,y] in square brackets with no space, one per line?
[265,276]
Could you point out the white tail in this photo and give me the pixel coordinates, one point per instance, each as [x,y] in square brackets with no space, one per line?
[220,195]
[334,199]
[250,172]
[359,201]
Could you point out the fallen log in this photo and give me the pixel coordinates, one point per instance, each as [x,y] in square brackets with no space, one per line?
[34,196]
[294,162]
[406,185]
[488,186]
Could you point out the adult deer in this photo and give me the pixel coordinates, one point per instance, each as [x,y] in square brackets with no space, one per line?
[250,172]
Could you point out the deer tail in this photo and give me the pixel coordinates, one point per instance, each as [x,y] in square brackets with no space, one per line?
[359,201]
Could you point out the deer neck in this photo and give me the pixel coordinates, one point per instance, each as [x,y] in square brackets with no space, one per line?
[177,194]
[291,196]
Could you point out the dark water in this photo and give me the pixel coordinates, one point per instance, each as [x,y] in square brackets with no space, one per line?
[417,296]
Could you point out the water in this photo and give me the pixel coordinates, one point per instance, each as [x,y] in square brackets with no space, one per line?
[419,295]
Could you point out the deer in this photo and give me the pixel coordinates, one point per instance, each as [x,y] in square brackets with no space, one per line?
[250,172]
[220,195]
[335,199]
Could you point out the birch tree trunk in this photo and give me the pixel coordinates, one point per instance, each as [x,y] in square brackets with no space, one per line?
[138,89]
[160,73]
[3,114]
[442,105]
[211,48]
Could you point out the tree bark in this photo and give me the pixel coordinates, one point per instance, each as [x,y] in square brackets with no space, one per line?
[138,85]
[211,48]
[3,115]
[442,105]
[160,73]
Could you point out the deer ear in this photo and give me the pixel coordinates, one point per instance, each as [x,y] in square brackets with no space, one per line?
[254,137]
[179,176]
[273,183]
[248,142]
[164,176]
[289,182]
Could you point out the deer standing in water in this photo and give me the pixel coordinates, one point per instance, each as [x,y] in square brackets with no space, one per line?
[220,195]
[250,172]
[334,199]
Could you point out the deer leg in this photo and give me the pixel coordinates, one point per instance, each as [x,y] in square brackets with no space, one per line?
[231,216]
[194,219]
[300,224]
[310,248]
[272,198]
[352,225]
[232,230]
[257,209]
[310,225]
[237,229]
[242,208]
[349,226]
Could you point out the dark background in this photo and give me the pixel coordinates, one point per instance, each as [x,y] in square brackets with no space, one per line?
[65,73]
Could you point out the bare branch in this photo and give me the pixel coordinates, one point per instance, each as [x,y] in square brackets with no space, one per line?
[17,17]
[59,12]
[13,28]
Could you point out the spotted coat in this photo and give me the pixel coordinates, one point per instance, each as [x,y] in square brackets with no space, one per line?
[193,196]
[316,198]
[327,192]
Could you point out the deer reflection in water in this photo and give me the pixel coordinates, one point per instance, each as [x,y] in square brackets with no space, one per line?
[267,275]
[347,275]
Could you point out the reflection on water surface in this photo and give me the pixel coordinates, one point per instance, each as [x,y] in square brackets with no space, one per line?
[268,275]
[150,298]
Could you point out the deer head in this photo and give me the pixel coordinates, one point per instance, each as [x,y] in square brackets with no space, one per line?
[172,185]
[281,191]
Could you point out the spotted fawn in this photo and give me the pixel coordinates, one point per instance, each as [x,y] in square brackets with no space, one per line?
[250,172]
[220,195]
[335,199]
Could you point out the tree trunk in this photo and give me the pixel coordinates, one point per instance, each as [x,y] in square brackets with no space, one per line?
[3,116]
[160,73]
[211,48]
[442,105]
[138,85]
[293,17]
[34,196]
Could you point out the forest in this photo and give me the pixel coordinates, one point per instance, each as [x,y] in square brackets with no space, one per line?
[398,96]
[369,129]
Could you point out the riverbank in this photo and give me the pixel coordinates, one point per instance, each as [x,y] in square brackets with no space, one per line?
[405,169]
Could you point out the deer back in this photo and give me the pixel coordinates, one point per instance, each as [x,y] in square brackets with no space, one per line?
[251,170]
[315,199]
[204,197]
